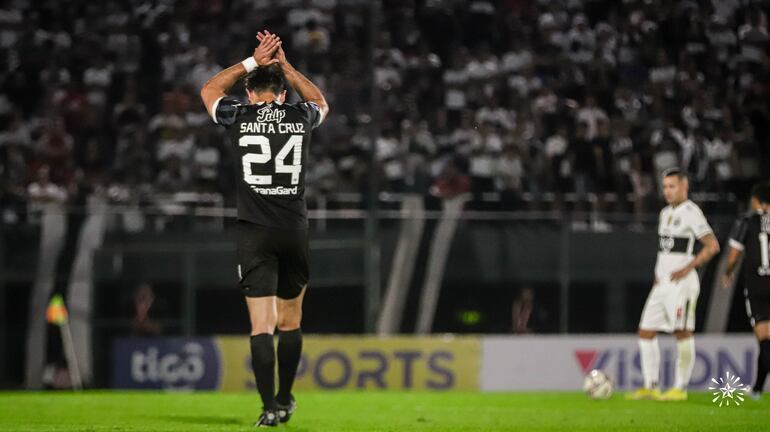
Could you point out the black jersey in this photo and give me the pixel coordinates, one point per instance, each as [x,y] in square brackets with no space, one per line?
[272,142]
[750,235]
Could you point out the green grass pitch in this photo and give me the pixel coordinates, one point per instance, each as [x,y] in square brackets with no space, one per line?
[370,412]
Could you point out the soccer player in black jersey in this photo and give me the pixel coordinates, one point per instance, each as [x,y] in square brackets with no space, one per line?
[271,140]
[749,238]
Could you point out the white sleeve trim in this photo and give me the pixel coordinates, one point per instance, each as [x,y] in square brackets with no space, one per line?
[214,109]
[321,115]
[704,233]
[735,244]
[700,222]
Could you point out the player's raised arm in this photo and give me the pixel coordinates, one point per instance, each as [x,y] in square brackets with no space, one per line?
[217,87]
[308,91]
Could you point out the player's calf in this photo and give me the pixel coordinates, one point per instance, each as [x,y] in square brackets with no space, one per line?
[763,365]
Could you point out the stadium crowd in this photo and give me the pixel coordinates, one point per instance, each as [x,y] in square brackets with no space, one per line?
[537,104]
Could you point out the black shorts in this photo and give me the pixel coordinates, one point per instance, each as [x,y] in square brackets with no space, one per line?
[757,304]
[271,261]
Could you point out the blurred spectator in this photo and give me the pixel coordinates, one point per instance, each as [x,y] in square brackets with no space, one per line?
[171,132]
[143,325]
[492,113]
[311,39]
[174,176]
[509,175]
[753,37]
[14,132]
[97,79]
[522,310]
[206,161]
[13,183]
[455,83]
[591,115]
[559,163]
[518,58]
[299,16]
[205,68]
[43,191]
[451,182]
[54,150]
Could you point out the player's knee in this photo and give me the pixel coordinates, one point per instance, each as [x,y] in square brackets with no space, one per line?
[262,329]
[682,334]
[647,334]
[290,320]
[264,324]
[762,332]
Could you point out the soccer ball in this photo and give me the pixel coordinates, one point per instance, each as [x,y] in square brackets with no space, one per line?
[597,385]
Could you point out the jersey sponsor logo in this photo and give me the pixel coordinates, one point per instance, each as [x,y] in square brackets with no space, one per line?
[268,114]
[671,244]
[278,190]
[666,244]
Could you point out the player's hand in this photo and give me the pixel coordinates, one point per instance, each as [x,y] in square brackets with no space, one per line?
[268,44]
[280,55]
[681,274]
[284,64]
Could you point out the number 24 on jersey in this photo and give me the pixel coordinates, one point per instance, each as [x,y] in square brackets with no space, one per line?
[293,146]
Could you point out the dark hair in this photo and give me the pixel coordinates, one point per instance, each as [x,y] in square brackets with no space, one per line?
[675,172]
[266,79]
[761,191]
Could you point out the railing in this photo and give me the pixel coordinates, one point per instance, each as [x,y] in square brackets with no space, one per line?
[584,277]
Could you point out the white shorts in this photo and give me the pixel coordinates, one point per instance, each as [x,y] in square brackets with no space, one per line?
[671,305]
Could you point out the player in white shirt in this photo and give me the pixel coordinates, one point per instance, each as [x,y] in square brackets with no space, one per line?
[670,306]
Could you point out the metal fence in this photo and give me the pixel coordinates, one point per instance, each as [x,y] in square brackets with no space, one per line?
[441,270]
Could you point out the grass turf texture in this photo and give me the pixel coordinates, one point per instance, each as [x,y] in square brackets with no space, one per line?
[370,412]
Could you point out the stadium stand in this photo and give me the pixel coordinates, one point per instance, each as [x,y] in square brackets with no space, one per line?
[543,105]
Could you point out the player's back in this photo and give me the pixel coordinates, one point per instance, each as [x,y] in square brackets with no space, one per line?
[752,235]
[271,142]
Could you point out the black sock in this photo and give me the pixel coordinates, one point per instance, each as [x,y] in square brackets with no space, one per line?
[263,364]
[763,364]
[289,352]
